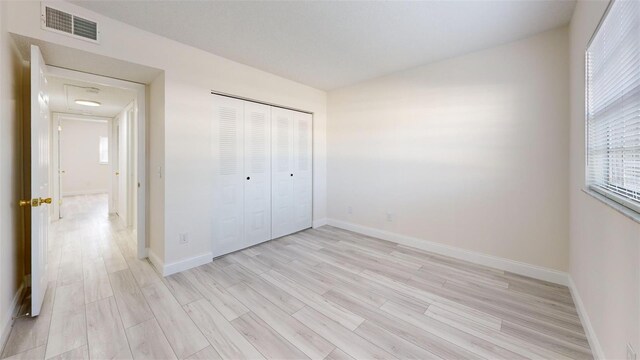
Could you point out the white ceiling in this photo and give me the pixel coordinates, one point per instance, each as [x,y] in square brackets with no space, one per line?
[63,93]
[330,44]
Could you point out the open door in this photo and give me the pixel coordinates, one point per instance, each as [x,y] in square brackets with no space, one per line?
[120,190]
[124,143]
[40,196]
[121,139]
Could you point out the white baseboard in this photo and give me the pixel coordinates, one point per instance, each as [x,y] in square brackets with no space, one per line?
[319,222]
[521,268]
[155,260]
[85,192]
[145,253]
[186,264]
[7,321]
[178,266]
[596,348]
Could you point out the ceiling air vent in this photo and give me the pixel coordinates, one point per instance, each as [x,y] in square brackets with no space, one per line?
[65,23]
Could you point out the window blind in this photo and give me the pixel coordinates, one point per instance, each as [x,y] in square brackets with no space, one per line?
[613,105]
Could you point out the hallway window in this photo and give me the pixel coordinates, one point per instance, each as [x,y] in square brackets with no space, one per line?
[613,105]
[104,150]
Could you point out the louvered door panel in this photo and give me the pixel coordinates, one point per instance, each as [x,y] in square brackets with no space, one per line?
[257,171]
[281,172]
[228,186]
[302,172]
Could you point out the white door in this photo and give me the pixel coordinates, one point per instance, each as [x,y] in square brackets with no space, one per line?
[282,122]
[114,157]
[228,182]
[302,172]
[39,180]
[132,180]
[257,172]
[123,170]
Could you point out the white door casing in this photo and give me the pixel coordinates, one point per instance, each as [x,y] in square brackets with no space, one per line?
[40,158]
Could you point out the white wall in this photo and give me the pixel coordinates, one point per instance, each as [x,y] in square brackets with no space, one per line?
[470,152]
[189,76]
[11,219]
[79,155]
[605,245]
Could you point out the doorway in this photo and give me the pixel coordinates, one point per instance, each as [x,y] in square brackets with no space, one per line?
[97,134]
[76,120]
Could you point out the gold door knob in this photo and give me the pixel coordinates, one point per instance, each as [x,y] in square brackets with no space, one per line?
[117,173]
[44,201]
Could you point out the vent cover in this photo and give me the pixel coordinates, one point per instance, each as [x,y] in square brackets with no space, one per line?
[66,23]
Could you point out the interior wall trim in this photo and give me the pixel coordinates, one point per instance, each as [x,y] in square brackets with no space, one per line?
[517,267]
[155,260]
[181,265]
[319,222]
[596,348]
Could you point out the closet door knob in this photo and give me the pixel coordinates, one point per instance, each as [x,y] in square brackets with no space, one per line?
[248,177]
[291,174]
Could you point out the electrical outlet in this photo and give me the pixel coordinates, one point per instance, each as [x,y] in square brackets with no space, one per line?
[184,239]
[631,354]
[350,210]
[389,216]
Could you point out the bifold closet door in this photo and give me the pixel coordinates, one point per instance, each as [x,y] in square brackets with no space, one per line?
[302,172]
[291,171]
[282,199]
[257,172]
[262,182]
[228,187]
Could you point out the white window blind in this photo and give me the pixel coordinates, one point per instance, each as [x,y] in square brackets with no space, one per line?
[104,150]
[613,105]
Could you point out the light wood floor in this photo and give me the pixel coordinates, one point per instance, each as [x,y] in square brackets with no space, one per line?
[319,294]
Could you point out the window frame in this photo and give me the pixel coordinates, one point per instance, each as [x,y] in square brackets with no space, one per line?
[609,195]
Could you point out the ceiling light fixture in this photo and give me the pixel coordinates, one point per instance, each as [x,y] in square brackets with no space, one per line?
[87,103]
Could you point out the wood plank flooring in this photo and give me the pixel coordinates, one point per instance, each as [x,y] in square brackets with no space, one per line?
[318,294]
